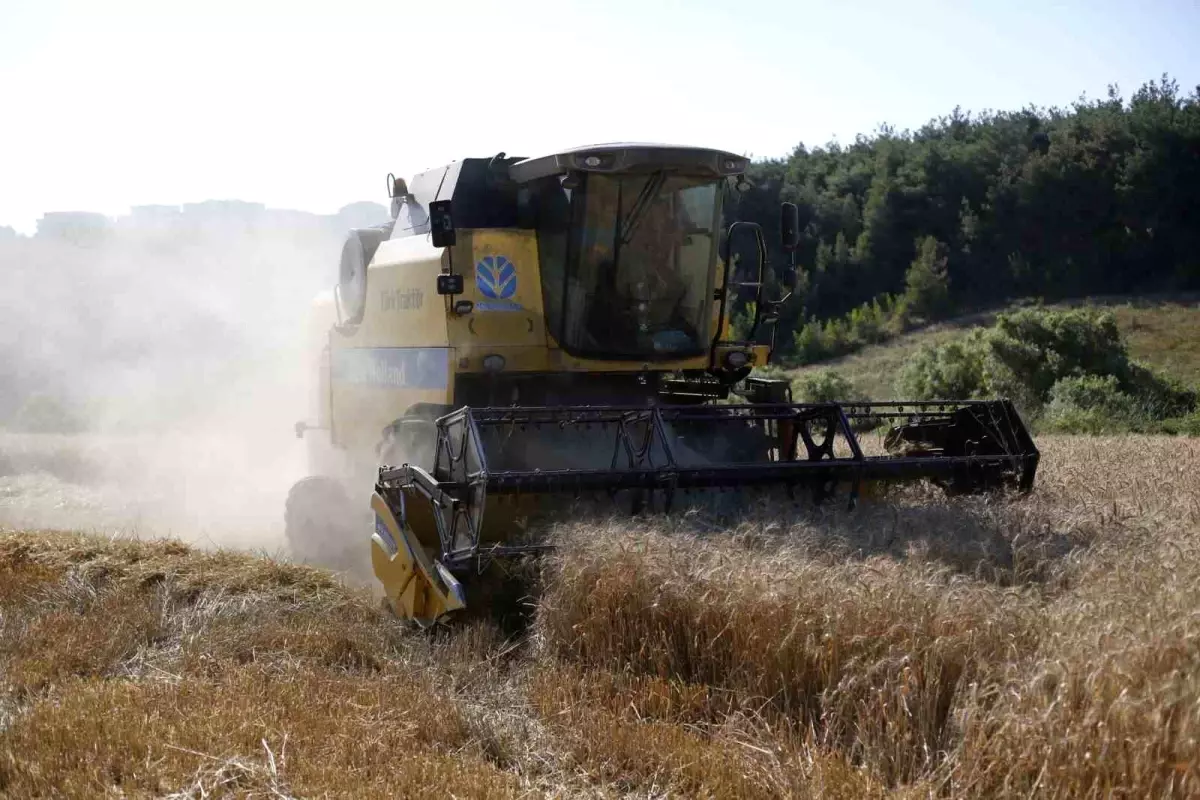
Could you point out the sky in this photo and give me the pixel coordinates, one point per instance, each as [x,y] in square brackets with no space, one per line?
[308,105]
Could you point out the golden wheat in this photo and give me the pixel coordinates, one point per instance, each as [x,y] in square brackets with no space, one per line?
[1045,646]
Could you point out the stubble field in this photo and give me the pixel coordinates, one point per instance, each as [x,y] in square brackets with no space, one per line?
[1047,646]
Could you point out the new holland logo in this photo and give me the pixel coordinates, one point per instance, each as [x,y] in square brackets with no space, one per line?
[496,278]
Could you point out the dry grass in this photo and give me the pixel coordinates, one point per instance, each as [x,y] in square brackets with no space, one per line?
[1165,335]
[1048,646]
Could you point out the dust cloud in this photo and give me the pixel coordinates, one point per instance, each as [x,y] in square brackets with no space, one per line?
[153,365]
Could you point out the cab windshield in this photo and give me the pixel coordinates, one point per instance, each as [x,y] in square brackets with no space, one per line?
[627,263]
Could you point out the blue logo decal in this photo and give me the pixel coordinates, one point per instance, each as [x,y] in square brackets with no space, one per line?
[496,277]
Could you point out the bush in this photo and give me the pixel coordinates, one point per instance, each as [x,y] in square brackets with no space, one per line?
[1032,349]
[1102,392]
[1161,396]
[871,323]
[1070,368]
[1181,426]
[954,371]
[42,413]
[1091,404]
[824,386]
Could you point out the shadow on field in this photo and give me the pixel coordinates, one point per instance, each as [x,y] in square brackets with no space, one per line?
[998,543]
[1003,541]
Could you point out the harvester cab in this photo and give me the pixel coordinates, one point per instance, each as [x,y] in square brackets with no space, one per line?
[524,331]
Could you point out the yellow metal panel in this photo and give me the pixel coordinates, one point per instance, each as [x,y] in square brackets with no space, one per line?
[414,586]
[403,306]
[399,355]
[501,278]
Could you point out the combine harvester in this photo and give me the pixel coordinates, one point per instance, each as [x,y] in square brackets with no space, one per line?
[524,332]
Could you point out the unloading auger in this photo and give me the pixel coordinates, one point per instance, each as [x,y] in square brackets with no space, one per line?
[525,333]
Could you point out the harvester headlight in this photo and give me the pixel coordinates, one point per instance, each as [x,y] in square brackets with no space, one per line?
[493,363]
[736,359]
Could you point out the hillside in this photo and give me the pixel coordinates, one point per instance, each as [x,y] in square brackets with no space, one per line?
[951,647]
[984,208]
[1163,332]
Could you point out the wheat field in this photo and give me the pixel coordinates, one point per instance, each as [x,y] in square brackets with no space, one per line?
[1046,646]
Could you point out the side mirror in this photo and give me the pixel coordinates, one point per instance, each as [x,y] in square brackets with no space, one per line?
[789,226]
[441,223]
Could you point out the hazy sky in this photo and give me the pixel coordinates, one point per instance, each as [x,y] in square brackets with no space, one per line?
[305,105]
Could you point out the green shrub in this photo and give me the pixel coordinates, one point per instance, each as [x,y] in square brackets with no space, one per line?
[809,346]
[1092,404]
[1071,369]
[1101,392]
[953,371]
[824,386]
[871,323]
[1181,426]
[41,413]
[1030,350]
[1161,396]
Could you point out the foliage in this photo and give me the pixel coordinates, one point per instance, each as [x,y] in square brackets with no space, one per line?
[1073,365]
[953,371]
[1091,404]
[873,322]
[824,386]
[42,413]
[741,321]
[971,210]
[927,286]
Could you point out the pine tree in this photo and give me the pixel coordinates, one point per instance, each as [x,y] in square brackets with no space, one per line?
[927,292]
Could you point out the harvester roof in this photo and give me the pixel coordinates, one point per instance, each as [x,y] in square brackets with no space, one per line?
[482,201]
[629,157]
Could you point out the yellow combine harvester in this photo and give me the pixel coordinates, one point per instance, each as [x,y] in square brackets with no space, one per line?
[524,331]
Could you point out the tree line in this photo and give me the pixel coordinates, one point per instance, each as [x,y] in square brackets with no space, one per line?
[972,210]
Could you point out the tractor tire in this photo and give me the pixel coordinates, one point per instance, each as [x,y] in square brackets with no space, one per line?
[324,527]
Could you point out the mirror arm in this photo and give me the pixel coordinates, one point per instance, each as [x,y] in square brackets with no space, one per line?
[761,243]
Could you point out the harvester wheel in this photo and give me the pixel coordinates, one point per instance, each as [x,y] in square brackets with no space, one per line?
[324,527]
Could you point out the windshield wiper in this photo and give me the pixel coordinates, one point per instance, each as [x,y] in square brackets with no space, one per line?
[640,204]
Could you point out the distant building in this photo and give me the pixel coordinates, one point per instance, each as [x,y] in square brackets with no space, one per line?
[225,215]
[154,215]
[224,209]
[79,227]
